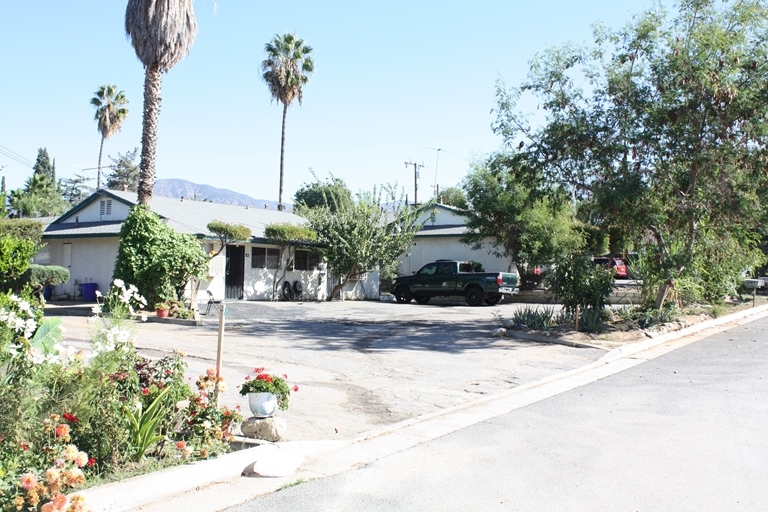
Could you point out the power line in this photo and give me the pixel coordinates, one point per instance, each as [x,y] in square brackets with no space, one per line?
[16,157]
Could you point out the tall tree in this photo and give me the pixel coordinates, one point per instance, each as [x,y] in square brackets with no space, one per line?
[110,113]
[43,165]
[286,70]
[125,173]
[332,194]
[161,32]
[668,142]
[364,236]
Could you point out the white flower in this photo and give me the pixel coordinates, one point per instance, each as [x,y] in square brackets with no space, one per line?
[119,283]
[143,317]
[133,289]
[207,424]
[98,293]
[96,309]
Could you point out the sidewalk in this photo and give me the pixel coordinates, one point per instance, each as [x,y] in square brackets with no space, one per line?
[217,484]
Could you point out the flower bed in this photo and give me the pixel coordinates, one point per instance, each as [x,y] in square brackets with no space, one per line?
[71,417]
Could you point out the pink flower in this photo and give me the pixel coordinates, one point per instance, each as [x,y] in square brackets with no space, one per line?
[62,430]
[285,376]
[295,388]
[247,377]
[210,372]
[258,370]
[81,459]
[181,445]
[28,481]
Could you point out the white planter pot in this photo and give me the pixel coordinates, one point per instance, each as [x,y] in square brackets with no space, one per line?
[262,405]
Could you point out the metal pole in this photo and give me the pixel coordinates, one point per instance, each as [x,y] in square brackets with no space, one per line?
[219,350]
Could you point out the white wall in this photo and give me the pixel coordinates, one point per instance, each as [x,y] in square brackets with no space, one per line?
[92,212]
[425,250]
[93,260]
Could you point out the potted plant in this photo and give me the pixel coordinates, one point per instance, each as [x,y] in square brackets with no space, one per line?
[266,393]
[161,308]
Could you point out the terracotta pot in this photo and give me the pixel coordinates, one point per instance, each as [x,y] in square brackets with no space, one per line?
[262,405]
[161,313]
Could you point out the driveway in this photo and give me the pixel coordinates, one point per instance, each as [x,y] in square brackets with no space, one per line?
[359,365]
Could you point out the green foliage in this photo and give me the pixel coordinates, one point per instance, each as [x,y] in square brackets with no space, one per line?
[125,173]
[265,383]
[15,254]
[76,189]
[228,233]
[144,424]
[281,234]
[667,142]
[454,196]
[332,194]
[539,319]
[517,217]
[365,236]
[43,165]
[155,258]
[578,283]
[23,229]
[38,277]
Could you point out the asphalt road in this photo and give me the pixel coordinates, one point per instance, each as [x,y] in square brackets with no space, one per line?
[684,432]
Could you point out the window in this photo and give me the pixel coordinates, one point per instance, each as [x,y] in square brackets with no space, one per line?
[105,207]
[264,257]
[305,260]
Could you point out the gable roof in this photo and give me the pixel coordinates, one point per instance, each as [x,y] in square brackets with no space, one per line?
[183,215]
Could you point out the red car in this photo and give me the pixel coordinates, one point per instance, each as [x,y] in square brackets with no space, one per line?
[615,263]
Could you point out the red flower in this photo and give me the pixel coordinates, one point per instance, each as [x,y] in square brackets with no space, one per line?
[295,388]
[145,391]
[24,446]
[258,370]
[91,461]
[70,417]
[285,376]
[247,377]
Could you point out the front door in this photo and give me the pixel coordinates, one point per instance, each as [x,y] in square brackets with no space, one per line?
[235,275]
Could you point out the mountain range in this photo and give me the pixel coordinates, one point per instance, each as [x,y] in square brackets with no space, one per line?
[183,188]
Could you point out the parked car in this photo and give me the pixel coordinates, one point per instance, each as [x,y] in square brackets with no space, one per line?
[617,264]
[447,277]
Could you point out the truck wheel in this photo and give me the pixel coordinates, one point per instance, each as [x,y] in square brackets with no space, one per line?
[493,300]
[475,296]
[403,295]
[423,299]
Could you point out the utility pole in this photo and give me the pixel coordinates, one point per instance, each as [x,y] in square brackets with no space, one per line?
[416,168]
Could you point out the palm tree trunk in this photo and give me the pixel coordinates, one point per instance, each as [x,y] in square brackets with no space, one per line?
[280,205]
[98,171]
[153,82]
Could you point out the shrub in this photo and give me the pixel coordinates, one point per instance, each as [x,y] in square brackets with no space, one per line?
[578,283]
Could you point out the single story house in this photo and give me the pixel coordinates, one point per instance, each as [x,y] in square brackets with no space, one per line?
[439,239]
[85,240]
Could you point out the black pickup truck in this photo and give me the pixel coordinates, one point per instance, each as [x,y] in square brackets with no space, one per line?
[447,277]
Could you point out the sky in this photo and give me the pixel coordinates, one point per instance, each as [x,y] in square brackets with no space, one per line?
[394,82]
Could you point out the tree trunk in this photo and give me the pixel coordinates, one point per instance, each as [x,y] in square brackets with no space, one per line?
[98,171]
[280,205]
[153,81]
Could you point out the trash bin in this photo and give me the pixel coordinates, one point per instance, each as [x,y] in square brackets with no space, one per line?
[89,291]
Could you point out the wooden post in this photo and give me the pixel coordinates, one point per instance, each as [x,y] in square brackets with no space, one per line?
[219,350]
[576,318]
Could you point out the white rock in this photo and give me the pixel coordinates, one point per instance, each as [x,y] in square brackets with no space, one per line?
[269,429]
[500,333]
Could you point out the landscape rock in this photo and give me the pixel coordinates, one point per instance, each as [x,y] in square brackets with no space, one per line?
[269,429]
[500,333]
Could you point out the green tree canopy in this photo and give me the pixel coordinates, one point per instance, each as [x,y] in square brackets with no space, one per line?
[515,218]
[454,196]
[125,173]
[365,236]
[660,128]
[332,194]
[228,233]
[155,258]
[288,237]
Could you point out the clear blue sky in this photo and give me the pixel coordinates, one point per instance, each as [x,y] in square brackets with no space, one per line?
[392,80]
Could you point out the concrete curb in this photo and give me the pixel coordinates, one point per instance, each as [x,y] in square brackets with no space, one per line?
[218,484]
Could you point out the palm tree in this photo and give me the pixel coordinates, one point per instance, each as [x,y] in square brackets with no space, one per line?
[286,69]
[161,32]
[110,112]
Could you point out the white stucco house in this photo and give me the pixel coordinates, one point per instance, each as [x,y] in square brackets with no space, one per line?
[439,239]
[85,240]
